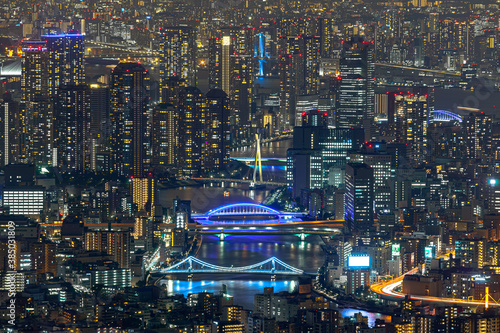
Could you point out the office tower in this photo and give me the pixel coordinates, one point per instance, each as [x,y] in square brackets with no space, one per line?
[191,134]
[112,278]
[355,100]
[218,135]
[24,200]
[412,113]
[178,55]
[10,130]
[314,118]
[332,144]
[66,60]
[36,107]
[375,155]
[129,135]
[71,128]
[304,170]
[43,258]
[164,136]
[477,127]
[359,197]
[113,243]
[336,144]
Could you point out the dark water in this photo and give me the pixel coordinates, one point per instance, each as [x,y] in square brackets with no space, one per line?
[275,149]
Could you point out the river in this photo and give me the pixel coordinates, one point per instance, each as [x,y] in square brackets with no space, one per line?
[246,250]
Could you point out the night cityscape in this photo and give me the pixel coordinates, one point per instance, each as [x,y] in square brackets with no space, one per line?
[250,166]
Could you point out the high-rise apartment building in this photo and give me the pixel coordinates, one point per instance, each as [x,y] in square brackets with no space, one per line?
[191,134]
[477,127]
[36,106]
[179,55]
[10,130]
[130,134]
[231,68]
[218,136]
[164,135]
[99,130]
[412,114]
[71,128]
[66,60]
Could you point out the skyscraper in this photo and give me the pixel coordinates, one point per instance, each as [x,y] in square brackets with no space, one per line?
[299,63]
[359,198]
[231,67]
[71,132]
[375,155]
[66,60]
[52,116]
[10,130]
[130,136]
[179,55]
[218,135]
[192,114]
[36,106]
[99,130]
[412,112]
[356,97]
[164,135]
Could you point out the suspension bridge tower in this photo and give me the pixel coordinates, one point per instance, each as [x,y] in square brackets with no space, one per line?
[257,165]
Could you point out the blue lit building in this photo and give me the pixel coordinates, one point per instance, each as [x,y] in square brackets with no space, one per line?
[359,197]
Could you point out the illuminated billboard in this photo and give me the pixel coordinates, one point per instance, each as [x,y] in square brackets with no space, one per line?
[396,249]
[429,252]
[358,261]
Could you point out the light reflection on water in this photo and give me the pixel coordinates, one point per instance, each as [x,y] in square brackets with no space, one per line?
[371,315]
[243,291]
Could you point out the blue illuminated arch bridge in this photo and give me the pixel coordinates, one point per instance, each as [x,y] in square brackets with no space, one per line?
[443,115]
[192,265]
[245,213]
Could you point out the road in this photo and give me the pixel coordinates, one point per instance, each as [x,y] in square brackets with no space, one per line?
[229,180]
[435,71]
[386,289]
